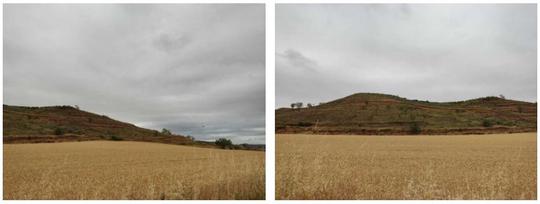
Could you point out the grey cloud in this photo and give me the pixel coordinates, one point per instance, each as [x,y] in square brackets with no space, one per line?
[436,52]
[168,43]
[175,66]
[297,59]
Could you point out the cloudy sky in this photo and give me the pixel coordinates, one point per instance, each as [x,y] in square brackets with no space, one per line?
[426,52]
[194,69]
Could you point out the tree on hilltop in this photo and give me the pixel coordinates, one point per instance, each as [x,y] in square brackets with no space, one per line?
[166,132]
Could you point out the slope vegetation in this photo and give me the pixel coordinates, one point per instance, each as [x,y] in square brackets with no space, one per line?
[369,113]
[66,123]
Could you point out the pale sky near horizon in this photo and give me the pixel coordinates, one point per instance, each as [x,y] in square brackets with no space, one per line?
[196,69]
[443,52]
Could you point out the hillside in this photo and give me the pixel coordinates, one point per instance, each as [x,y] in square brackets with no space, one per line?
[369,113]
[66,123]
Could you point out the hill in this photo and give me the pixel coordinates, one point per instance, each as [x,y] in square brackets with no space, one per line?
[67,123]
[371,113]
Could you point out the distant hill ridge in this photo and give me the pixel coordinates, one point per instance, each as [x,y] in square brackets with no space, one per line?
[56,123]
[67,123]
[373,113]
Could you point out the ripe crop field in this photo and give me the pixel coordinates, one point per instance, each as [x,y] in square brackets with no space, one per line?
[130,170]
[499,166]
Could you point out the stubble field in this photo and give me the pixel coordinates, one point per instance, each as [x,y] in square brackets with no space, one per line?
[130,170]
[501,166]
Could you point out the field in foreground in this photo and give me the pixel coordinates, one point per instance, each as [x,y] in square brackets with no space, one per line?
[501,166]
[130,170]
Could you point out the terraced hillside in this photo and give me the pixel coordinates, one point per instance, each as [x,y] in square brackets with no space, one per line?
[370,113]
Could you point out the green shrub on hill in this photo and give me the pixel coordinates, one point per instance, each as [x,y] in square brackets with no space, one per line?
[116,138]
[487,123]
[305,124]
[415,128]
[59,131]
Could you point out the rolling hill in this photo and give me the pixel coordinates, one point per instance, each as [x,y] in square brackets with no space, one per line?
[374,114]
[67,123]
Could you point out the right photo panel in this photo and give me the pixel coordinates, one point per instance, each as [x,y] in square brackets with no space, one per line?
[406,101]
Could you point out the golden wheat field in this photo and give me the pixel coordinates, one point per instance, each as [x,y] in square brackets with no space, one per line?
[130,170]
[501,166]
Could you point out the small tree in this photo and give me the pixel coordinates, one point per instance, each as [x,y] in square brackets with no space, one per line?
[223,143]
[293,105]
[299,105]
[166,132]
[116,138]
[309,105]
[58,131]
[502,96]
[487,123]
[415,128]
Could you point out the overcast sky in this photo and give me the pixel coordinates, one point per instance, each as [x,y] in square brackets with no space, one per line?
[425,52]
[194,69]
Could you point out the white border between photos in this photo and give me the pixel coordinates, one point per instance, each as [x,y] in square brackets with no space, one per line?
[270,6]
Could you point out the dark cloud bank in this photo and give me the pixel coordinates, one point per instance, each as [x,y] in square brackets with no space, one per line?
[427,52]
[194,69]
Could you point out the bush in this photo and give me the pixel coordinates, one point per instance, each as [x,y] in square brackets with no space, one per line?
[72,130]
[304,124]
[58,131]
[116,138]
[487,123]
[415,128]
[166,132]
[223,143]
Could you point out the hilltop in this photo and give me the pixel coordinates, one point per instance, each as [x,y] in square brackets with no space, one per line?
[66,123]
[372,113]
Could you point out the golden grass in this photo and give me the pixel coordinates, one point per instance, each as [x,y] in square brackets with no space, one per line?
[501,166]
[130,170]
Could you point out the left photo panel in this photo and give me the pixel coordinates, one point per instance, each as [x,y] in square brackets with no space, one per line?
[134,101]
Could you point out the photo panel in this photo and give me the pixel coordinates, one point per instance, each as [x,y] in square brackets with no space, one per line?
[406,102]
[134,102]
